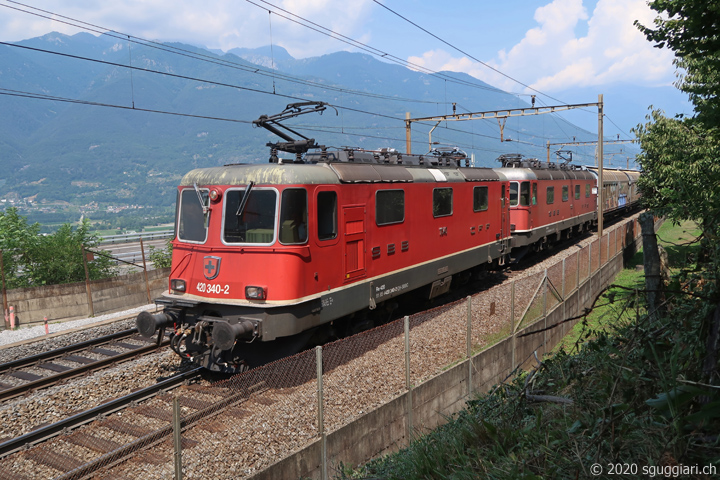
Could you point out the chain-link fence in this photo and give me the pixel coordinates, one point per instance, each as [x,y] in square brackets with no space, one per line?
[359,397]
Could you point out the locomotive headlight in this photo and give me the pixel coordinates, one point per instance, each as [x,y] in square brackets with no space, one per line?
[177,285]
[215,194]
[255,293]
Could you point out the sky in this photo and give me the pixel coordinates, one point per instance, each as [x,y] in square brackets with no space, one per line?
[548,47]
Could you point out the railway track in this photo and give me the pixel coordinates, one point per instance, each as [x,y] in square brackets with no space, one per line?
[48,368]
[117,430]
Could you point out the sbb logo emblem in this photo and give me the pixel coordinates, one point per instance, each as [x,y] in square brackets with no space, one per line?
[211,267]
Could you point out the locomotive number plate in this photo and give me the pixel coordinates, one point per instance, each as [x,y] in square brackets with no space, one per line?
[213,288]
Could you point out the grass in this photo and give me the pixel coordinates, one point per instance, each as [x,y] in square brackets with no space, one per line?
[632,393]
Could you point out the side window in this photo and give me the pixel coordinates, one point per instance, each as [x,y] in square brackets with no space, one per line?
[525,194]
[293,216]
[327,215]
[480,199]
[566,193]
[514,187]
[389,206]
[577,192]
[550,195]
[587,190]
[442,202]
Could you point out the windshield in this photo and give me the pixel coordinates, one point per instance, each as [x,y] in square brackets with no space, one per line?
[256,222]
[192,222]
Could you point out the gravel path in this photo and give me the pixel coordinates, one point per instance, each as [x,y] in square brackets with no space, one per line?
[8,337]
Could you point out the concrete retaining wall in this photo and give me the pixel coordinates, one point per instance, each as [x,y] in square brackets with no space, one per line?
[70,301]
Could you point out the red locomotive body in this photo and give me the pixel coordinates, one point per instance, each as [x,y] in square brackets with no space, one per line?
[548,201]
[278,252]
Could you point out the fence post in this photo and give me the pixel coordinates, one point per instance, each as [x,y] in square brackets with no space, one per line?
[321,420]
[177,438]
[87,282]
[406,322]
[577,269]
[512,322]
[607,258]
[564,297]
[469,344]
[4,291]
[147,283]
[545,332]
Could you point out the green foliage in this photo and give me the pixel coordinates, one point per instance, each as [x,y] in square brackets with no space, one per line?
[680,156]
[690,29]
[161,258]
[640,395]
[681,177]
[17,241]
[32,260]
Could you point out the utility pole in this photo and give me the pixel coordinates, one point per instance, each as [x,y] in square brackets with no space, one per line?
[600,167]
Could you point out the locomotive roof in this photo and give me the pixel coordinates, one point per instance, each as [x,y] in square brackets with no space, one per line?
[334,173]
[544,174]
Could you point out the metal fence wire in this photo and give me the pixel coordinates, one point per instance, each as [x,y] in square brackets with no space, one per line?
[238,427]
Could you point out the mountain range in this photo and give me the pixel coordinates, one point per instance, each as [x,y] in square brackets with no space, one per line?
[108,134]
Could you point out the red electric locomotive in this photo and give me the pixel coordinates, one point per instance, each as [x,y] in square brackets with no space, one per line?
[547,201]
[268,259]
[267,256]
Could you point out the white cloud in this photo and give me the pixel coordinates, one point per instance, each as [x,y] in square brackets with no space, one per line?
[551,57]
[223,24]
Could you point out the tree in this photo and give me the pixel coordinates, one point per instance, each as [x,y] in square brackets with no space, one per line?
[17,240]
[58,258]
[30,259]
[691,29]
[681,156]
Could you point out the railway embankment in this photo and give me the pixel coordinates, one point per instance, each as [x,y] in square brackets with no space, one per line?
[623,395]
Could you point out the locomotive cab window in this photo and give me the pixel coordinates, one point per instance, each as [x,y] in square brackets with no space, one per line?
[442,202]
[514,191]
[550,195]
[253,222]
[587,190]
[193,215]
[293,216]
[327,215]
[389,206]
[565,193]
[480,199]
[524,194]
[577,192]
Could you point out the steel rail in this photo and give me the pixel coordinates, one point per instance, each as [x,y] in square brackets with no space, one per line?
[112,458]
[55,429]
[60,352]
[102,363]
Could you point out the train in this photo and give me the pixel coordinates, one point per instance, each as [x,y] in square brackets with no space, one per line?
[271,258]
